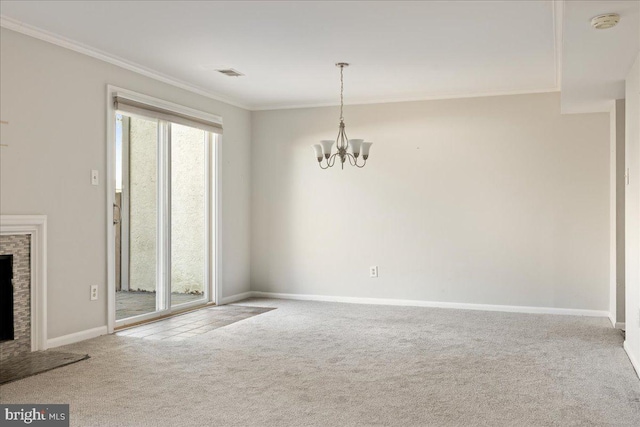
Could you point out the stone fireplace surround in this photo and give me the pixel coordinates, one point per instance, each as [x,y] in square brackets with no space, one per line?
[25,237]
[18,245]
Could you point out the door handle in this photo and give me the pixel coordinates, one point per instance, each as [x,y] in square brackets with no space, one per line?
[116,221]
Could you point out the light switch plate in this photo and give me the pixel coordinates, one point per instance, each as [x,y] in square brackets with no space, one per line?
[95,177]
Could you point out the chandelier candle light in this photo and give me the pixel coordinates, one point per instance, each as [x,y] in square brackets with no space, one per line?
[358,146]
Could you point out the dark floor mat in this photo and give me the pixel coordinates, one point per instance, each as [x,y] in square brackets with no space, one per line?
[19,367]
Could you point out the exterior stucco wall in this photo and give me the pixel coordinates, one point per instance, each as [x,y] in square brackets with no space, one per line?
[187,207]
[143,182]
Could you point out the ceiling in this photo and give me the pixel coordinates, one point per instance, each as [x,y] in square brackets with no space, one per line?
[287,50]
[398,50]
[595,63]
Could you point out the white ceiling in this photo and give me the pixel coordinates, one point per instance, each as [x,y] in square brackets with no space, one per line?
[398,50]
[596,62]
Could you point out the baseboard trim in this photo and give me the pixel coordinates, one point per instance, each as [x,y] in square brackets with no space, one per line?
[77,337]
[435,304]
[102,330]
[234,298]
[632,358]
[616,325]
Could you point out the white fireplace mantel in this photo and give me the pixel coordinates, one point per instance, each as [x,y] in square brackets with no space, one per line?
[36,227]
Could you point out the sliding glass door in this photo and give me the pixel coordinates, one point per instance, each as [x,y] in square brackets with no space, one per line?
[136,213]
[189,225]
[162,217]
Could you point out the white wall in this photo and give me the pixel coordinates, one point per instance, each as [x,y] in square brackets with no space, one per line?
[632,215]
[497,200]
[55,101]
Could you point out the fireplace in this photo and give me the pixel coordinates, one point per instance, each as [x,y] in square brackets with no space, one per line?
[15,295]
[23,284]
[6,297]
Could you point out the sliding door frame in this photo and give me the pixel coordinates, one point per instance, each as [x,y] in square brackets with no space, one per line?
[163,261]
[212,248]
[124,209]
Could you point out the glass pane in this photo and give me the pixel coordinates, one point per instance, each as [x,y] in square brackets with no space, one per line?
[188,214]
[139,296]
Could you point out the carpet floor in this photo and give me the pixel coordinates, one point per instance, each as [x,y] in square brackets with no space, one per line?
[331,364]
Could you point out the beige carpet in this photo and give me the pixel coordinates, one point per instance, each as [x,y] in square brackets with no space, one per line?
[330,364]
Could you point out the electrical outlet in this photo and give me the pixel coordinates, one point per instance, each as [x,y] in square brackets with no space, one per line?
[94,292]
[373,271]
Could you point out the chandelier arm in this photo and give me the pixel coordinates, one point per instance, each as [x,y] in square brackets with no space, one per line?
[331,160]
[346,139]
[352,160]
[363,164]
[323,167]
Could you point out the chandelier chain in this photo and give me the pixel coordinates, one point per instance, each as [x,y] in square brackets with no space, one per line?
[341,91]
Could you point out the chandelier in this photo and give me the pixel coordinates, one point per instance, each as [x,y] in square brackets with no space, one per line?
[357,146]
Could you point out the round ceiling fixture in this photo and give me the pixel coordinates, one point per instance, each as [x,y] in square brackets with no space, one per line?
[608,20]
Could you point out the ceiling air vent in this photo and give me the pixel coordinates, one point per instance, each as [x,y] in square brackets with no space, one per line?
[230,72]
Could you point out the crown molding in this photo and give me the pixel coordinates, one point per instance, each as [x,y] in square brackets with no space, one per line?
[29,30]
[409,99]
